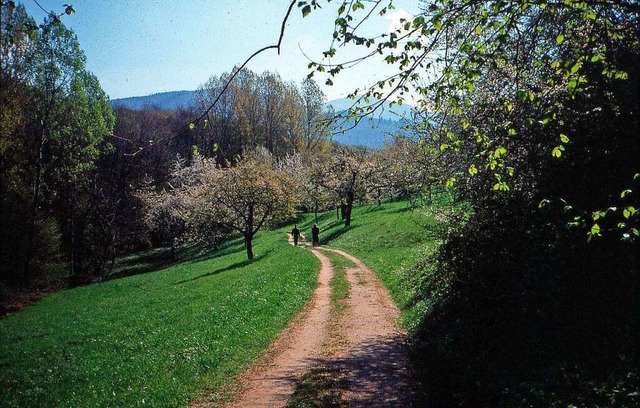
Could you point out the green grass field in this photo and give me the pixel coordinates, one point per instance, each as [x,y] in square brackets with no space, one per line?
[388,238]
[166,337]
[154,339]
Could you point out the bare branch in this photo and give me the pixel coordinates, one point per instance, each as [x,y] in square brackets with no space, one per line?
[276,46]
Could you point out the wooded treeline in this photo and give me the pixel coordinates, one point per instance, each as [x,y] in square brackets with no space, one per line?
[54,122]
[83,183]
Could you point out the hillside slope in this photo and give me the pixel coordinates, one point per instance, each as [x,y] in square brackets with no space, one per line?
[157,338]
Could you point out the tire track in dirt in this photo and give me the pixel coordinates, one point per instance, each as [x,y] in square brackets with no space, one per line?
[365,346]
[271,382]
[374,354]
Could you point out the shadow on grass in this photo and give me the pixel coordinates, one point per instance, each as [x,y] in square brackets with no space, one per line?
[141,262]
[227,248]
[158,258]
[236,265]
[327,238]
[371,368]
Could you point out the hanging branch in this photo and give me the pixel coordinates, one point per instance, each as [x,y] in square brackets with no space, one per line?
[195,123]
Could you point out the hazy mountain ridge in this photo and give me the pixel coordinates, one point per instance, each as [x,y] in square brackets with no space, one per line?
[370,132]
[163,100]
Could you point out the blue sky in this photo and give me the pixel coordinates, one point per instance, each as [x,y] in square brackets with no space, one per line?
[147,46]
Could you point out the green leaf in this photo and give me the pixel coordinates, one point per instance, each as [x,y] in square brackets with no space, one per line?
[192,126]
[450,183]
[437,24]
[557,152]
[559,39]
[628,212]
[595,229]
[522,96]
[473,170]
[576,67]
[625,193]
[564,138]
[306,10]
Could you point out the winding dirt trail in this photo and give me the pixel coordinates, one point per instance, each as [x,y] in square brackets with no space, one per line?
[364,347]
[374,353]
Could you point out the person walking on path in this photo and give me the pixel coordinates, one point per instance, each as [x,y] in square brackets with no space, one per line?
[315,233]
[296,234]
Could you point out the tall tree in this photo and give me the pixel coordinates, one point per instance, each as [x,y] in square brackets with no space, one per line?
[317,120]
[249,196]
[63,127]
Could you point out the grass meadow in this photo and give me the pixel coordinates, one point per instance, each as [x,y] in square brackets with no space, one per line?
[158,338]
[389,238]
[169,336]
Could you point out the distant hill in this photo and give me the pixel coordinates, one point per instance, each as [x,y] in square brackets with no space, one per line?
[394,113]
[164,100]
[374,130]
[370,132]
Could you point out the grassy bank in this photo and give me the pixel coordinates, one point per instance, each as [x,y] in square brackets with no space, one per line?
[155,339]
[388,238]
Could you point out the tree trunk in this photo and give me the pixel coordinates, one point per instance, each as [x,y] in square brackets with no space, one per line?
[350,198]
[174,250]
[29,250]
[74,248]
[248,235]
[249,245]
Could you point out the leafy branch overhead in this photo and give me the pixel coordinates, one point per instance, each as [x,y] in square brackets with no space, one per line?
[495,82]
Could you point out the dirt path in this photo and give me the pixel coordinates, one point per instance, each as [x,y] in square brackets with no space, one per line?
[271,383]
[364,345]
[373,353]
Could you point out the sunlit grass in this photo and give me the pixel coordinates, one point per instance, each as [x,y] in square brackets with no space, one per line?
[339,284]
[389,238]
[155,339]
[162,338]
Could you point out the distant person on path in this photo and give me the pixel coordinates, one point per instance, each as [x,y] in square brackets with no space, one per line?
[315,233]
[296,234]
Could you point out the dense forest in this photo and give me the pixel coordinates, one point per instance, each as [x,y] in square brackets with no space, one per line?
[531,124]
